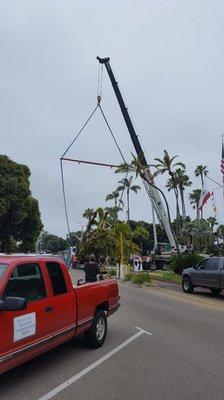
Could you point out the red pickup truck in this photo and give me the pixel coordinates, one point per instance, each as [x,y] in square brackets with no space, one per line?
[40,308]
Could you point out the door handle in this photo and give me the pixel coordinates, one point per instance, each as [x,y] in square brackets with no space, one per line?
[49,309]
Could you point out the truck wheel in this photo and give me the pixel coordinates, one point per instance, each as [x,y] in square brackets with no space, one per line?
[96,335]
[215,291]
[187,285]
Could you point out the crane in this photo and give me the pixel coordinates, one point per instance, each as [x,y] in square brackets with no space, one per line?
[152,191]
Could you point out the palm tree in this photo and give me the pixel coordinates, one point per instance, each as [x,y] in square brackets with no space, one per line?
[126,184]
[112,214]
[113,196]
[88,213]
[202,171]
[117,203]
[135,166]
[182,182]
[147,177]
[194,198]
[166,165]
[172,185]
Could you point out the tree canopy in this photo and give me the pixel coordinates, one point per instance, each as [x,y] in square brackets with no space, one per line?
[50,243]
[20,219]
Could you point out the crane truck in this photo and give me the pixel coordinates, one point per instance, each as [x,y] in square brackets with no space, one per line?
[152,190]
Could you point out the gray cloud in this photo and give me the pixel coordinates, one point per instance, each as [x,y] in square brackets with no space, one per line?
[168,59]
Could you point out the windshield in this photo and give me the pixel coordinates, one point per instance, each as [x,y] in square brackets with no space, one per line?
[2,269]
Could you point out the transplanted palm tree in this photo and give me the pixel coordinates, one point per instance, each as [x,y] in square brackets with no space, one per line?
[202,171]
[182,182]
[126,184]
[194,198]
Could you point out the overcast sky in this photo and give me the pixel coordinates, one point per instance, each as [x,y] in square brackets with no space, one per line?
[168,58]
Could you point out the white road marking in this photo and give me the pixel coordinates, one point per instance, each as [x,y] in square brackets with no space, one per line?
[86,370]
[142,330]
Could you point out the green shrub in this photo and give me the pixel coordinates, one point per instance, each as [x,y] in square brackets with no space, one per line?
[140,278]
[112,272]
[128,276]
[186,260]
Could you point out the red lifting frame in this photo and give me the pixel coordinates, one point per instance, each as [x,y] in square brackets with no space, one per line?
[90,162]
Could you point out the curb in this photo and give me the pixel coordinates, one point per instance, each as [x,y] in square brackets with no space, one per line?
[164,280]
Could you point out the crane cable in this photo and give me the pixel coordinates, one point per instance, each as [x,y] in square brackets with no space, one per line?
[62,172]
[119,149]
[98,106]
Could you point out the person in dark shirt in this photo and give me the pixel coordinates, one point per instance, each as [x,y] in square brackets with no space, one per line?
[92,269]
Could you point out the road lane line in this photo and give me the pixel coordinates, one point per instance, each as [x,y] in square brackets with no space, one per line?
[86,370]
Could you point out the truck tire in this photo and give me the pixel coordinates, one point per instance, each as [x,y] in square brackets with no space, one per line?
[96,335]
[187,285]
[215,291]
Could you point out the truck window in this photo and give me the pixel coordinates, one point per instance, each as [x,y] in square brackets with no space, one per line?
[213,264]
[26,281]
[2,269]
[203,264]
[57,278]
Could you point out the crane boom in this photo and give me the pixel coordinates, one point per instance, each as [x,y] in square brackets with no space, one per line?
[152,191]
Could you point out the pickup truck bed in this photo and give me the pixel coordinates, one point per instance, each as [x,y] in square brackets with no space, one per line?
[40,308]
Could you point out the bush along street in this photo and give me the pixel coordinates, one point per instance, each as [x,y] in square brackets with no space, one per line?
[139,278]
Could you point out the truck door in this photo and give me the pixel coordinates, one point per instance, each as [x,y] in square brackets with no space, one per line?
[211,274]
[22,328]
[198,273]
[63,298]
[221,266]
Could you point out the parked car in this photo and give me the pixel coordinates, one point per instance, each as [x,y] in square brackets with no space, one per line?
[208,273]
[40,308]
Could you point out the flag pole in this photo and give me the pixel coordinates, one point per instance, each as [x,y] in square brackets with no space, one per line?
[222,169]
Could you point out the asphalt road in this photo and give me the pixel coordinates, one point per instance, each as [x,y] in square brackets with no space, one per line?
[181,359]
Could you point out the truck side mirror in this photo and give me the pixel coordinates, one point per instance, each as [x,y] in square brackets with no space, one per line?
[13,304]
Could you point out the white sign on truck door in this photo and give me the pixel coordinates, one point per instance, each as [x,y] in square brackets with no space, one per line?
[24,326]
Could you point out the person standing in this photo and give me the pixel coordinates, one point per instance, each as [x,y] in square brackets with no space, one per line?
[92,269]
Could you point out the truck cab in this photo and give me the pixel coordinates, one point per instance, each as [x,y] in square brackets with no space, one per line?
[40,308]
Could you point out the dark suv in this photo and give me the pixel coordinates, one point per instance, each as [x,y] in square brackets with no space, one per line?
[208,273]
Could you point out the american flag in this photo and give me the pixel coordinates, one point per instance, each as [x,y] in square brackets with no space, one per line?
[222,159]
[205,194]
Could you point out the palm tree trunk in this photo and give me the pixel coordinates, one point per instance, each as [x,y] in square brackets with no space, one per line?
[202,182]
[177,211]
[177,204]
[128,204]
[197,212]
[183,203]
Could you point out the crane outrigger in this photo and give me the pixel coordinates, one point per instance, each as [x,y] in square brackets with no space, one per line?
[152,190]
